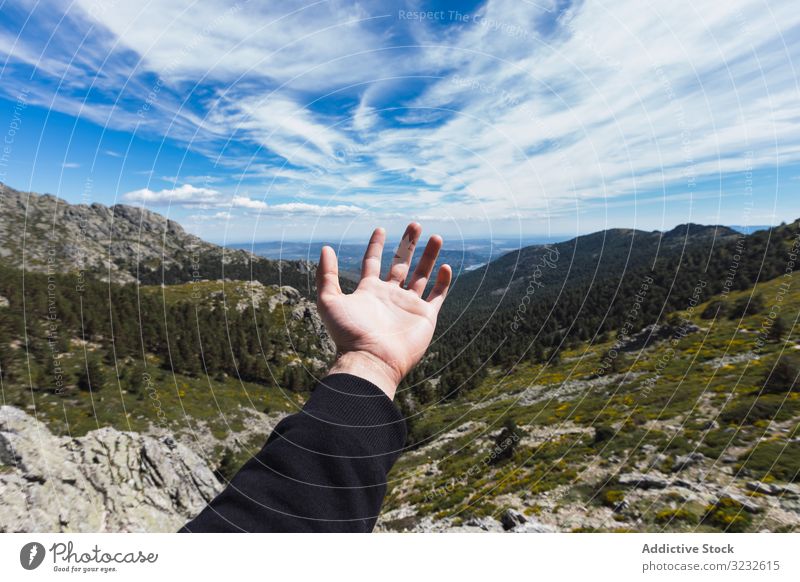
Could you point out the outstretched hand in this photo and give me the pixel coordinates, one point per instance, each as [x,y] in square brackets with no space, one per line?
[383,328]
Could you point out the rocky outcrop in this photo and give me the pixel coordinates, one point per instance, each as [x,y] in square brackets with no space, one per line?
[104,481]
[52,234]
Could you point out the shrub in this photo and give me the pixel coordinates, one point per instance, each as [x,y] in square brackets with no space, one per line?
[783,377]
[93,377]
[773,459]
[612,498]
[669,515]
[603,433]
[506,442]
[714,309]
[751,410]
[226,468]
[728,515]
[747,305]
[777,330]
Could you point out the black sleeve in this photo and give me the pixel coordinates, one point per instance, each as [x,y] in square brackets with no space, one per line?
[322,469]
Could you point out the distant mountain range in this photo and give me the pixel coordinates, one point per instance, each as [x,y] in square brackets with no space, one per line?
[462,256]
[472,254]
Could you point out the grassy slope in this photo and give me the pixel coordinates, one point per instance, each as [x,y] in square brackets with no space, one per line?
[690,387]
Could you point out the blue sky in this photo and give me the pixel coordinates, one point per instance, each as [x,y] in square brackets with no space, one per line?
[260,121]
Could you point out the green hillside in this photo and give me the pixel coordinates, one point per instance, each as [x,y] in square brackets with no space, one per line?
[704,409]
[210,360]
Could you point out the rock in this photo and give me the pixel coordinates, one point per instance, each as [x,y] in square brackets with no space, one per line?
[763,488]
[482,523]
[685,461]
[620,506]
[286,295]
[533,526]
[512,518]
[654,333]
[685,484]
[105,481]
[4,301]
[651,480]
[789,490]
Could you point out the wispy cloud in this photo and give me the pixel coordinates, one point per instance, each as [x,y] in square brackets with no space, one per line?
[514,109]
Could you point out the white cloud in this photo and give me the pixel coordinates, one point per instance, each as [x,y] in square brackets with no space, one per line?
[304,44]
[245,202]
[281,125]
[626,98]
[185,195]
[297,208]
[318,210]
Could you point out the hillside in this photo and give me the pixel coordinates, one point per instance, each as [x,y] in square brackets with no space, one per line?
[124,244]
[582,258]
[697,429]
[564,295]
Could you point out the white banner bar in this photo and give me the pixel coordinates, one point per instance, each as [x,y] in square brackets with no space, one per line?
[380,557]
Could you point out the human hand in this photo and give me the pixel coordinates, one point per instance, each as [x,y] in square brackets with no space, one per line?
[383,329]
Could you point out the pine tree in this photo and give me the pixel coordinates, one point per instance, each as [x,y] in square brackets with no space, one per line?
[93,377]
[777,330]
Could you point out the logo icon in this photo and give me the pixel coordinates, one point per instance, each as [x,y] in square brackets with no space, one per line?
[31,555]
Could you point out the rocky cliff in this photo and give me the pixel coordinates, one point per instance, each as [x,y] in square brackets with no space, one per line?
[104,481]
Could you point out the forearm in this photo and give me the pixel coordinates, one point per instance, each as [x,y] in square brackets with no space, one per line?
[322,469]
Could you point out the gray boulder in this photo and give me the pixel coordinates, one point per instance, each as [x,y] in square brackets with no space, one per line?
[685,461]
[651,480]
[105,481]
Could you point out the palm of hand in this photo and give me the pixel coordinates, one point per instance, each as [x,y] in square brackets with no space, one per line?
[382,329]
[381,318]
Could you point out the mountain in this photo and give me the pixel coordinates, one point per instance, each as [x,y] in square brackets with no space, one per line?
[532,303]
[124,244]
[579,259]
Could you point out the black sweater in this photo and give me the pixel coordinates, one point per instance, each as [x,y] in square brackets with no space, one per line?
[322,469]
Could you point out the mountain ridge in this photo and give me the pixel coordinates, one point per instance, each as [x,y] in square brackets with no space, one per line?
[124,244]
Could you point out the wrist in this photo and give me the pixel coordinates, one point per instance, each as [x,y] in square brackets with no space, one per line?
[370,368]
